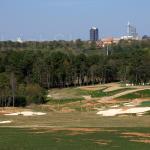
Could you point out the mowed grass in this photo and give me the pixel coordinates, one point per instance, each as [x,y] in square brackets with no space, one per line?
[74,139]
[139,94]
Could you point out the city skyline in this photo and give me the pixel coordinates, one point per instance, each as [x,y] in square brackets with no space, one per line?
[70,19]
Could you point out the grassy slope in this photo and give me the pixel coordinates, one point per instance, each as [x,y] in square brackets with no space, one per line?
[101,93]
[140,94]
[75,94]
[26,139]
[65,98]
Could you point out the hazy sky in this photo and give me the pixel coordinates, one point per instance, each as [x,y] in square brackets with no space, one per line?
[71,19]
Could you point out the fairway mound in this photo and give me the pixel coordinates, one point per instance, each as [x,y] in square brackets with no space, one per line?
[114,112]
[26,113]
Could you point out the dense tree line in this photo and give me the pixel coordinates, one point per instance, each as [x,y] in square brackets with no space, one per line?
[26,72]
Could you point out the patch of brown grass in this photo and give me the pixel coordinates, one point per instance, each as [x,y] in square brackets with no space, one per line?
[92,88]
[72,131]
[142,137]
[136,134]
[141,141]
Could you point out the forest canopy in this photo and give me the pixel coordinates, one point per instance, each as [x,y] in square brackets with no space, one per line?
[28,69]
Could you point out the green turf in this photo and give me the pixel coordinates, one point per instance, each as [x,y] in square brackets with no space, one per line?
[145,104]
[27,139]
[101,93]
[66,98]
[78,95]
[139,94]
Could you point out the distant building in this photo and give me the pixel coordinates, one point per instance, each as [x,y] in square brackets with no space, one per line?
[107,41]
[19,40]
[116,40]
[131,30]
[94,34]
[131,33]
[146,37]
[104,42]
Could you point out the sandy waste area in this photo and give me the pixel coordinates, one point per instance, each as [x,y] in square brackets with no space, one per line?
[122,111]
[26,113]
[5,122]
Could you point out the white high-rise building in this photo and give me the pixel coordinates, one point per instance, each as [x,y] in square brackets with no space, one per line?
[131,33]
[19,40]
[131,30]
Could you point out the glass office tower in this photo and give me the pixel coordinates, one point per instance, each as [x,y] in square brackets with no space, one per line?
[94,34]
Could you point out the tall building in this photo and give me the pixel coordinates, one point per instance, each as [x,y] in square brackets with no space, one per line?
[94,34]
[19,40]
[131,33]
[131,30]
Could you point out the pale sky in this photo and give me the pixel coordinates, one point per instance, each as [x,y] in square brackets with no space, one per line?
[71,19]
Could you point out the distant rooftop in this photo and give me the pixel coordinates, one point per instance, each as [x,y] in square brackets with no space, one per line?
[94,28]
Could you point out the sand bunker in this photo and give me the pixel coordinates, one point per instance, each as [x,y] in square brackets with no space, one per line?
[5,122]
[26,113]
[114,112]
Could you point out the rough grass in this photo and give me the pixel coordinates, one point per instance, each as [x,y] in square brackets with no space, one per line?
[139,94]
[65,93]
[81,139]
[69,95]
[101,93]
[76,119]
[64,101]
